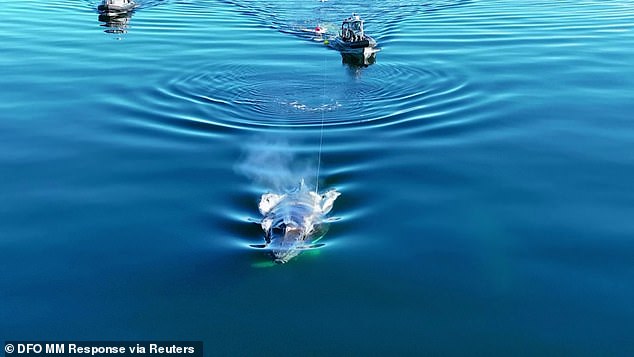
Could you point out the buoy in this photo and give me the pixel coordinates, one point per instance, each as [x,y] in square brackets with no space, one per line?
[326,42]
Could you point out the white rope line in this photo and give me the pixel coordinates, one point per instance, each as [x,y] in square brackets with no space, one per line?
[321,133]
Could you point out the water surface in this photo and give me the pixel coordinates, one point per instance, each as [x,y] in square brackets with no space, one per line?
[485,162]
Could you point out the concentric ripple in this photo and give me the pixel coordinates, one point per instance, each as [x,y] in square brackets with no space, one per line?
[252,96]
[297,84]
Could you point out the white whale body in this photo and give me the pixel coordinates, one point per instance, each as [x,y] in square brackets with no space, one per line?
[292,220]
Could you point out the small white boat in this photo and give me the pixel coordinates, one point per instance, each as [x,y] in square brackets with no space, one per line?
[113,7]
[352,39]
[318,30]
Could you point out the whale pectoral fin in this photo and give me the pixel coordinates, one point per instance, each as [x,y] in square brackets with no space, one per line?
[258,246]
[268,201]
[327,200]
[312,246]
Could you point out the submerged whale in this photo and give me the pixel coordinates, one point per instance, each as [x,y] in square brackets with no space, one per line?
[292,220]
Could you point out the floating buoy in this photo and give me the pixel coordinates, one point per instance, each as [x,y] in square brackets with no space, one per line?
[326,42]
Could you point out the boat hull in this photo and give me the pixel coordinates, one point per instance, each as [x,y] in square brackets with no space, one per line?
[112,10]
[362,47]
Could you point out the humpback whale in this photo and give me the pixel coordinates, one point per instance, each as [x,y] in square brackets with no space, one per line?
[292,220]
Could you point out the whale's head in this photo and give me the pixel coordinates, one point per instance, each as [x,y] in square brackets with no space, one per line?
[286,242]
[291,221]
[288,229]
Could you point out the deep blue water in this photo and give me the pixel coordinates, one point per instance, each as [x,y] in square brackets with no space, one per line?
[485,161]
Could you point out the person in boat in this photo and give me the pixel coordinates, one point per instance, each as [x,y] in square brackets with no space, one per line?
[352,29]
[350,36]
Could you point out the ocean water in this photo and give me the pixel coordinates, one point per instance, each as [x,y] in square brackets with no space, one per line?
[485,161]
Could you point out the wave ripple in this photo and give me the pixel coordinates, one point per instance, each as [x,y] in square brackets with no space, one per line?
[253,96]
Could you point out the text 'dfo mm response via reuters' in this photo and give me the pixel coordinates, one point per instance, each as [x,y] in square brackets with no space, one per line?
[104,348]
